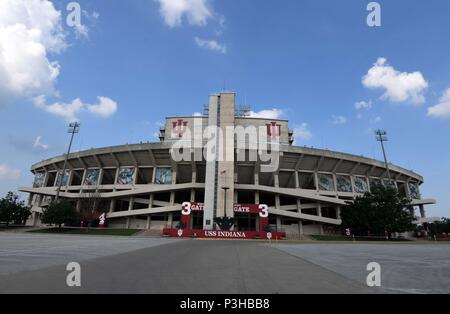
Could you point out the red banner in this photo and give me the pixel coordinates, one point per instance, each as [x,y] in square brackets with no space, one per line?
[221,234]
[237,208]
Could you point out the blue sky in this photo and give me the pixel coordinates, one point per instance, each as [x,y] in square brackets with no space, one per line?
[311,60]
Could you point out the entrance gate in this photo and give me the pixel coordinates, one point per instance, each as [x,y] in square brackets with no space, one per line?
[190,210]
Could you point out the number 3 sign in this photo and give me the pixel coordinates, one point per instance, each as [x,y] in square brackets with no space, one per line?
[186,209]
[264,211]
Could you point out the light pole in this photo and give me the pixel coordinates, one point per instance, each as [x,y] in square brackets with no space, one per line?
[74,127]
[381,136]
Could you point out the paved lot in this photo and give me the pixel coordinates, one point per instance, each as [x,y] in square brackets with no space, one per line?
[405,268]
[25,252]
[36,264]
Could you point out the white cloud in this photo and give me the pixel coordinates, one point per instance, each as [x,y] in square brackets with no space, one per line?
[69,111]
[29,30]
[38,144]
[302,133]
[377,120]
[267,114]
[105,108]
[442,109]
[211,45]
[197,114]
[339,119]
[8,173]
[398,86]
[197,12]
[363,105]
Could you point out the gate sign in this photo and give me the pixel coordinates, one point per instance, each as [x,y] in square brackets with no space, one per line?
[263,232]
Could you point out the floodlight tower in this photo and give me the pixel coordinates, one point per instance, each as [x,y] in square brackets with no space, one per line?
[74,127]
[381,136]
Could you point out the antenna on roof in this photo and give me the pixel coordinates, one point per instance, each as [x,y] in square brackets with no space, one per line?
[243,110]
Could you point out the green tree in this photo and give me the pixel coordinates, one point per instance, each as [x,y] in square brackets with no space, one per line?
[442,226]
[59,213]
[382,210]
[11,209]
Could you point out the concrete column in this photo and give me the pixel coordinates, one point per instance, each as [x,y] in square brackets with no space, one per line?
[46,177]
[300,222]
[136,169]
[150,202]
[194,176]
[153,175]
[30,199]
[112,206]
[338,212]
[128,223]
[78,206]
[192,195]
[297,181]
[172,198]
[300,228]
[69,178]
[174,176]
[34,217]
[316,181]
[149,222]
[276,180]
[116,177]
[256,178]
[100,176]
[211,167]
[257,197]
[277,201]
[319,210]
[319,213]
[169,220]
[278,223]
[335,184]
[220,172]
[83,177]
[422,211]
[131,204]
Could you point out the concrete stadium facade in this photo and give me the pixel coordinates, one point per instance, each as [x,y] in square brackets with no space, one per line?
[141,186]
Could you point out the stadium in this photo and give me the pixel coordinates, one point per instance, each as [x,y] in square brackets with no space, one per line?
[280,191]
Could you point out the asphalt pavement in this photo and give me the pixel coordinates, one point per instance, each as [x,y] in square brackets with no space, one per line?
[37,264]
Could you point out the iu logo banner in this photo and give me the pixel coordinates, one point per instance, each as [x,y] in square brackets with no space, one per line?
[274,130]
[102,220]
[179,127]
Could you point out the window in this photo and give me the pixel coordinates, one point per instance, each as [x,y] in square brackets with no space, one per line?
[344,184]
[326,182]
[361,185]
